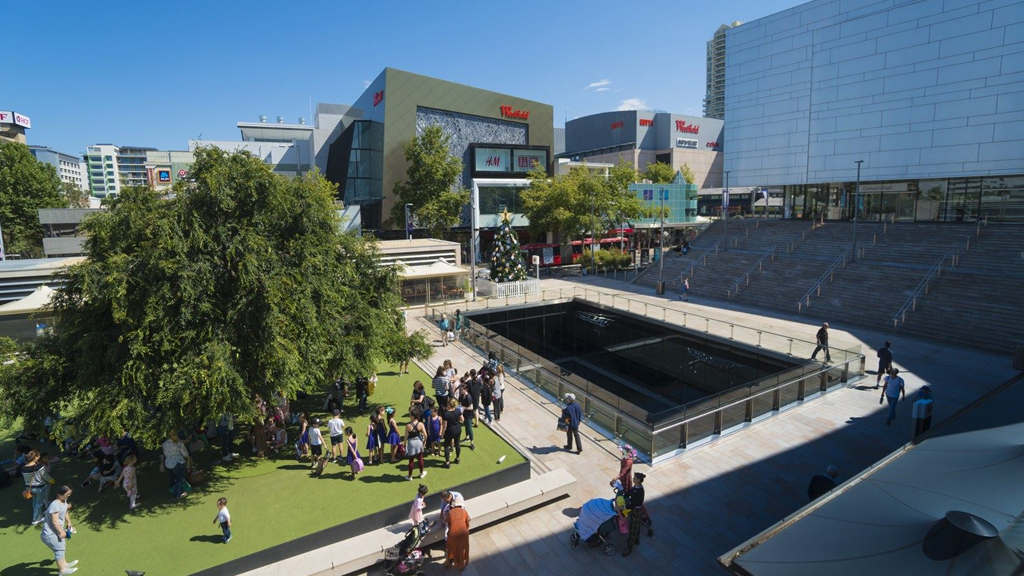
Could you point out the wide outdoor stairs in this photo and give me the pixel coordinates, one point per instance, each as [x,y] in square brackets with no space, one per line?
[977,303]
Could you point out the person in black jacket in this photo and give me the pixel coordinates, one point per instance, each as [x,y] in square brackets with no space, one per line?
[362,392]
[884,361]
[634,504]
[822,338]
[822,484]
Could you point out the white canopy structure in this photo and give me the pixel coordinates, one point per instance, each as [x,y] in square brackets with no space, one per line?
[34,302]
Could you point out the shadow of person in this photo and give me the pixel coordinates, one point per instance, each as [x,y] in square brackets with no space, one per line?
[209,538]
[28,569]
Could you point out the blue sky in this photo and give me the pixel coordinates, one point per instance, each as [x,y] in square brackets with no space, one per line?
[159,73]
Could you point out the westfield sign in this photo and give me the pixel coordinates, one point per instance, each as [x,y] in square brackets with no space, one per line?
[508,112]
[682,126]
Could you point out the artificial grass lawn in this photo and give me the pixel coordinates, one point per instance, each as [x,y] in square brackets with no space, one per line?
[272,501]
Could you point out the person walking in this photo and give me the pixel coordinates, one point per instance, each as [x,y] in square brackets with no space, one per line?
[446,326]
[486,398]
[416,512]
[226,430]
[457,546]
[224,519]
[352,458]
[440,385]
[686,290]
[634,508]
[458,323]
[373,447]
[468,416]
[884,361]
[893,389]
[302,446]
[572,415]
[497,398]
[393,439]
[56,529]
[822,340]
[822,484]
[36,474]
[316,443]
[623,483]
[127,480]
[175,459]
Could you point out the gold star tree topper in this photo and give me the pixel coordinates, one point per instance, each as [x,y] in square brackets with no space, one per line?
[506,216]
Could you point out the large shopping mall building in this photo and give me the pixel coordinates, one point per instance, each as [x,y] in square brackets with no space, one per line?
[498,138]
[930,95]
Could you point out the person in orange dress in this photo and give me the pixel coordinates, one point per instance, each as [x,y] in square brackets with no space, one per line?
[458,536]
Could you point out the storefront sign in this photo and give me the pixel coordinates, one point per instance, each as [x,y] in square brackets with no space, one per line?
[182,173]
[378,97]
[682,126]
[6,117]
[493,160]
[685,143]
[22,120]
[647,122]
[508,112]
[164,175]
[712,144]
[617,125]
[876,188]
[523,160]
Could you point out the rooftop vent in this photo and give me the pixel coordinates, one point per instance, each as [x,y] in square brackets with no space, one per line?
[955,534]
[263,118]
[302,121]
[280,119]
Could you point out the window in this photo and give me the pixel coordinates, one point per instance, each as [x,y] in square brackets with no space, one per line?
[108,158]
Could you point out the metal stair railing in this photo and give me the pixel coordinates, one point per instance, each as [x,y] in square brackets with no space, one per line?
[935,271]
[702,258]
[745,277]
[829,273]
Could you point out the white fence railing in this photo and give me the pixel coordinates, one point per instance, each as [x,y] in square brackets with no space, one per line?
[513,289]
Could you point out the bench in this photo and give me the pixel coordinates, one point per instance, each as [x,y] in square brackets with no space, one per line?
[362,552]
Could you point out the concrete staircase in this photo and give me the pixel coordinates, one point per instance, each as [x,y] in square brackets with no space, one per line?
[980,302]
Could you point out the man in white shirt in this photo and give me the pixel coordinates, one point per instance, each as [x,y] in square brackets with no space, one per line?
[893,389]
[336,429]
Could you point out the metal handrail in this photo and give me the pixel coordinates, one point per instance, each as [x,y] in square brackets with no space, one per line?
[884,225]
[911,304]
[702,257]
[815,224]
[829,272]
[759,264]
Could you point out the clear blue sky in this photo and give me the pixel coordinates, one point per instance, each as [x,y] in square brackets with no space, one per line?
[159,73]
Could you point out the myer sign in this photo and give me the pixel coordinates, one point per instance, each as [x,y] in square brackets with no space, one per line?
[876,188]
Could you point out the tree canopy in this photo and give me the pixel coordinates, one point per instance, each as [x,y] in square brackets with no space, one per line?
[26,185]
[566,204]
[432,184]
[238,286]
[688,174]
[659,173]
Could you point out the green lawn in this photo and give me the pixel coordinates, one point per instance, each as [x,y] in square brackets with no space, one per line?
[271,501]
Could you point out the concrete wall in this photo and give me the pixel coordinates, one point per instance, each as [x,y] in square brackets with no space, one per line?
[916,89]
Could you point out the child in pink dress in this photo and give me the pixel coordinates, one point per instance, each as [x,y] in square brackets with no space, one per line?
[416,512]
[128,482]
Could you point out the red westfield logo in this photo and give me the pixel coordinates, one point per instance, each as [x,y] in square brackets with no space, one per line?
[508,112]
[617,125]
[682,126]
[378,97]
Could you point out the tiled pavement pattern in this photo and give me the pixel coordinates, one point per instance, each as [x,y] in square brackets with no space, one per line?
[715,497]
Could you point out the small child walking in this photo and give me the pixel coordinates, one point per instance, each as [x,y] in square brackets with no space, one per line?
[302,446]
[373,446]
[223,518]
[353,458]
[316,444]
[127,480]
[418,505]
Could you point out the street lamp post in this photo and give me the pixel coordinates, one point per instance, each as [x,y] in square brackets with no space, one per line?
[661,241]
[472,237]
[856,205]
[725,211]
[593,233]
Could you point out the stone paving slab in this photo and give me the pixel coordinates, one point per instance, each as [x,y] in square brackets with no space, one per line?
[715,496]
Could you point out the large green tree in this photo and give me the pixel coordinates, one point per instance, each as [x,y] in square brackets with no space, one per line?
[571,205]
[238,286]
[431,185]
[659,173]
[26,185]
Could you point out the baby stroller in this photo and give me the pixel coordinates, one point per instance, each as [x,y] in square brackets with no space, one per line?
[407,557]
[598,518]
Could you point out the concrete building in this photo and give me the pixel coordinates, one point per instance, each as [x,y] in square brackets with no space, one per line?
[643,137]
[714,94]
[69,167]
[110,167]
[498,137]
[13,126]
[291,149]
[104,177]
[929,95]
[165,167]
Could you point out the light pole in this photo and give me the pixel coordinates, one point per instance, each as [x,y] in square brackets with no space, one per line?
[856,205]
[408,221]
[725,211]
[593,233]
[661,244]
[472,237]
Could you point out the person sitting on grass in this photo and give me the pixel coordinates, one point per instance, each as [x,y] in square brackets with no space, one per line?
[110,470]
[279,439]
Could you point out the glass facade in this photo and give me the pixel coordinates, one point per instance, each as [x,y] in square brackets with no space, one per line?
[680,202]
[360,171]
[419,291]
[997,198]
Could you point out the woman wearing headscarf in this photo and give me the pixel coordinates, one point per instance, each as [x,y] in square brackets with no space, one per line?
[625,477]
[458,535]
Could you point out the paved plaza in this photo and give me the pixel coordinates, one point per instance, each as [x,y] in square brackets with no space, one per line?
[716,496]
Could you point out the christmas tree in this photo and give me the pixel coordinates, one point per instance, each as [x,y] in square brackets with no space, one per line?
[506,260]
